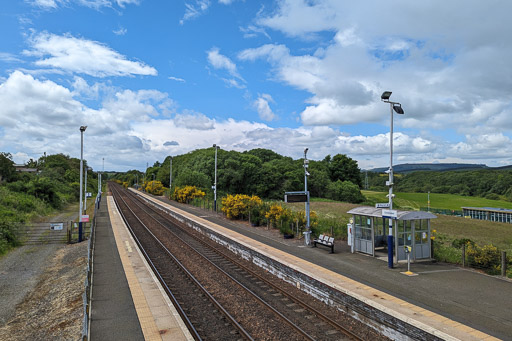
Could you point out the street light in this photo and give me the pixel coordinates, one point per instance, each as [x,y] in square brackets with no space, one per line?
[82,130]
[85,189]
[306,174]
[397,107]
[215,181]
[170,177]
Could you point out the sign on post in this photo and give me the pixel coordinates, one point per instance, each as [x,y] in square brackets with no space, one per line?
[85,218]
[390,214]
[296,196]
[382,205]
[56,226]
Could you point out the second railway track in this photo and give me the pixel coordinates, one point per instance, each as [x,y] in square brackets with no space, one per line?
[223,296]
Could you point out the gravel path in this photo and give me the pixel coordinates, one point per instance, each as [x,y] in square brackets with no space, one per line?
[20,271]
[41,290]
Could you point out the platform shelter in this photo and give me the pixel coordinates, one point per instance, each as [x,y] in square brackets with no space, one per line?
[410,228]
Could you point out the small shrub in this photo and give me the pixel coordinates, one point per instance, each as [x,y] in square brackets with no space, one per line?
[457,243]
[487,257]
[187,193]
[240,205]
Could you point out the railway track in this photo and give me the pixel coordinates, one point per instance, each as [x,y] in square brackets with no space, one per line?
[220,295]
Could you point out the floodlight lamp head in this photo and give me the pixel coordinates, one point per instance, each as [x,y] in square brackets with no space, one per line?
[398,108]
[82,128]
[214,145]
[307,173]
[385,95]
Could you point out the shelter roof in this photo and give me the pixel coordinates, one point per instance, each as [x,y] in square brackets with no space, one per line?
[402,215]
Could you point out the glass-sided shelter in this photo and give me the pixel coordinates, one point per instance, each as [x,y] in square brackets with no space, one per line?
[411,228]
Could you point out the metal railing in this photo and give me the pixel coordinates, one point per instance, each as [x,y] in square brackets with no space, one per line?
[86,296]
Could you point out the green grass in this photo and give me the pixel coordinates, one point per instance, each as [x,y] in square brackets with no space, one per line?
[448,228]
[413,201]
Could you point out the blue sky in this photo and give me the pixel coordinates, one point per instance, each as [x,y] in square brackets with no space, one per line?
[157,78]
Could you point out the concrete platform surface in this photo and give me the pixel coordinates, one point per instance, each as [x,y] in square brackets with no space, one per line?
[128,302]
[452,302]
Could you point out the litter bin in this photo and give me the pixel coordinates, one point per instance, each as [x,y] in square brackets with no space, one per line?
[307,237]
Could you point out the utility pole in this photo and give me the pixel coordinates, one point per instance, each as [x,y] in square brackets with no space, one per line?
[170,177]
[307,234]
[85,199]
[397,107]
[82,130]
[215,181]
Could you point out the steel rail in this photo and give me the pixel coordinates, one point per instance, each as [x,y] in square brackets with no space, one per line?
[194,280]
[275,287]
[249,291]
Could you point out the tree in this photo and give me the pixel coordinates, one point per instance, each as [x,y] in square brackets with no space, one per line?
[193,178]
[343,168]
[7,170]
[345,191]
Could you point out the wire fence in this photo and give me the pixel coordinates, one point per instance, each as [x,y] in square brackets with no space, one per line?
[442,211]
[488,258]
[86,296]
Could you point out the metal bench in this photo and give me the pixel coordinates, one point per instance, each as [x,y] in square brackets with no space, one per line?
[325,241]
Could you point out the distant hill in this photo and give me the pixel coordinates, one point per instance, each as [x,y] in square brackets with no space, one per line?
[413,167]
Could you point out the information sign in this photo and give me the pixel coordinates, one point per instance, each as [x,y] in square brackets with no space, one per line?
[85,218]
[56,226]
[391,214]
[382,205]
[296,196]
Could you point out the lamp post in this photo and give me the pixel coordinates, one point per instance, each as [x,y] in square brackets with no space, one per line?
[215,181]
[397,107]
[85,189]
[170,177]
[82,130]
[306,174]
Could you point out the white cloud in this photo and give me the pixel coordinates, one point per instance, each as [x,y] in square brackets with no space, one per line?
[75,55]
[441,75]
[194,10]
[252,31]
[121,31]
[9,57]
[177,79]
[47,4]
[131,127]
[195,121]
[219,61]
[123,3]
[96,4]
[301,17]
[262,106]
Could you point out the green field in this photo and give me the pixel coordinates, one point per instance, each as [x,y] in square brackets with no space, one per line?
[413,201]
[448,228]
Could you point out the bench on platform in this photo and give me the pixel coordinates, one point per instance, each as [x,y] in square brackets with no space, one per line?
[326,241]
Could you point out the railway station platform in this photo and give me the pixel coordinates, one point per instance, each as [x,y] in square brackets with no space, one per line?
[127,301]
[446,301]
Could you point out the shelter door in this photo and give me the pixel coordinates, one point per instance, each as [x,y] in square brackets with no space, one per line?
[421,240]
[363,235]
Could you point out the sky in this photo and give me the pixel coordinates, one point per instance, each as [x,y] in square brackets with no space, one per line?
[153,78]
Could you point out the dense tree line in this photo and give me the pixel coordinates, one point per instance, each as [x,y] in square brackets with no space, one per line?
[25,195]
[260,172]
[488,183]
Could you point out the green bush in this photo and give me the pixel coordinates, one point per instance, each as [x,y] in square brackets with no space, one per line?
[345,191]
[487,257]
[457,243]
[8,237]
